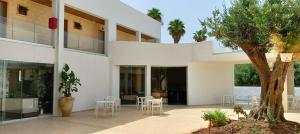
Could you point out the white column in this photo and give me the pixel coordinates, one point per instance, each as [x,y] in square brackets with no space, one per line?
[115,81]
[138,36]
[284,96]
[148,80]
[58,42]
[110,33]
[290,80]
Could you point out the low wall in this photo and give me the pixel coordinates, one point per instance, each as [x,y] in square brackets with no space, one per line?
[254,91]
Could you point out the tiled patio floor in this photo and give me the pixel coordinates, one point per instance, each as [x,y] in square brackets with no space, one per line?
[176,120]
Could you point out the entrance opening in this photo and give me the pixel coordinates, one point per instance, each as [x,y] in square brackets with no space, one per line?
[169,83]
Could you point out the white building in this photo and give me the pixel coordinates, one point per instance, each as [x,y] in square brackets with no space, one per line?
[113,49]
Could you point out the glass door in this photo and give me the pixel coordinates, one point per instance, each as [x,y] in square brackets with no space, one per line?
[2,95]
[132,83]
[12,108]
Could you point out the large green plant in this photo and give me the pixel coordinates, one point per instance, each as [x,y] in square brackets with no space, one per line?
[257,26]
[69,82]
[155,14]
[176,29]
[219,117]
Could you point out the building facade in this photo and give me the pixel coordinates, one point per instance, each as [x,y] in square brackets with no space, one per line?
[113,49]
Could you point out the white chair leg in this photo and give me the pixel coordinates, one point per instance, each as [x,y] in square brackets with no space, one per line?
[96,111]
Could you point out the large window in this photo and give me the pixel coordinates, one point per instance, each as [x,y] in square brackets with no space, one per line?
[132,83]
[25,90]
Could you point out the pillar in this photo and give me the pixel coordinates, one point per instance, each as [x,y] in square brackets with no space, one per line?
[115,81]
[290,80]
[148,80]
[138,36]
[58,43]
[110,33]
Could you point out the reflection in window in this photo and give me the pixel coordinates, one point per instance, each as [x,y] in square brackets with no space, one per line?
[132,83]
[159,83]
[27,89]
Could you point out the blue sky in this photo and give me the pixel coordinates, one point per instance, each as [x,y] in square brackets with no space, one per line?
[189,11]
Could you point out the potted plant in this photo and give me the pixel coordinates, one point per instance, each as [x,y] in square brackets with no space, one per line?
[69,83]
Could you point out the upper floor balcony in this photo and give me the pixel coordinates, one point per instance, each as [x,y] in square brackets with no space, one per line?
[27,20]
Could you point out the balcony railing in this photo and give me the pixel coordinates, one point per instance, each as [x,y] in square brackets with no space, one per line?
[25,31]
[84,43]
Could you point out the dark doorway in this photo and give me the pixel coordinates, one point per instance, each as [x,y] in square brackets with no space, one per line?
[170,83]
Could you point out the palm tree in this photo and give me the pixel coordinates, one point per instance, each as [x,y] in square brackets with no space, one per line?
[155,14]
[200,35]
[176,29]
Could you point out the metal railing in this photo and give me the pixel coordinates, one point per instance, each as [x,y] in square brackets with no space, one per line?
[25,31]
[84,43]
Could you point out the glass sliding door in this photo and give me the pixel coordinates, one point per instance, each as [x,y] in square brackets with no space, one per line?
[132,83]
[13,91]
[2,95]
[26,89]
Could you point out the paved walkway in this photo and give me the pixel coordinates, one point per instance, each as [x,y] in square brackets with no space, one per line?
[175,120]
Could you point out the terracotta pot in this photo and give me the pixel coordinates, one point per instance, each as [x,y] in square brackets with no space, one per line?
[66,106]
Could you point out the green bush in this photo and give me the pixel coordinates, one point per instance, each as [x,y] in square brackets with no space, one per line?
[246,75]
[218,116]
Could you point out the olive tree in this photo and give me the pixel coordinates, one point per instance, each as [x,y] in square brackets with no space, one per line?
[256,27]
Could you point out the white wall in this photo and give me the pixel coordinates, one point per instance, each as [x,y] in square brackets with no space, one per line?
[208,81]
[25,51]
[157,54]
[115,10]
[93,71]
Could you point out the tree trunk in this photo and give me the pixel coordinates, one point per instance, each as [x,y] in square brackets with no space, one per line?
[272,84]
[176,39]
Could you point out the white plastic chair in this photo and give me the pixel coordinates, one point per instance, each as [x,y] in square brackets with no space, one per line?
[109,107]
[228,100]
[157,104]
[138,102]
[255,101]
[116,100]
[291,101]
[144,104]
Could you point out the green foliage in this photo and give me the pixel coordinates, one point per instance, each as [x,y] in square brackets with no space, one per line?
[155,14]
[246,75]
[252,22]
[176,29]
[297,74]
[200,35]
[69,82]
[217,116]
[270,118]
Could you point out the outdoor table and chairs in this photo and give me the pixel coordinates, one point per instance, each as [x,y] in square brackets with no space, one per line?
[149,104]
[109,104]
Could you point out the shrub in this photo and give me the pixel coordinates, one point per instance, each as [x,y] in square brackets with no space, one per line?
[239,110]
[216,118]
